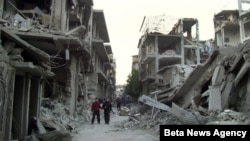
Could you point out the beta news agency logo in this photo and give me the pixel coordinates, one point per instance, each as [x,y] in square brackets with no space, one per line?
[239,132]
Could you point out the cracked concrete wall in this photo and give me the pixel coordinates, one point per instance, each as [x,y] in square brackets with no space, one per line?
[72,84]
[7,78]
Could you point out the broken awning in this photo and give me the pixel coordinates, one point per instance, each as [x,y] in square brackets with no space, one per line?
[36,53]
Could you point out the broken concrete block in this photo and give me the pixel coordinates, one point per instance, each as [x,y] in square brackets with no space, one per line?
[230,117]
[124,111]
[214,100]
[218,75]
[53,124]
[227,90]
[184,116]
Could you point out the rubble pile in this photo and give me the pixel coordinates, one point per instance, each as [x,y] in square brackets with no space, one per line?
[54,114]
[232,118]
[47,49]
[152,123]
[215,92]
[55,122]
[148,122]
[124,111]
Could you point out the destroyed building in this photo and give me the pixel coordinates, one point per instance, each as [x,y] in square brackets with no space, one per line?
[50,49]
[162,57]
[215,91]
[227,29]
[102,81]
[218,84]
[232,26]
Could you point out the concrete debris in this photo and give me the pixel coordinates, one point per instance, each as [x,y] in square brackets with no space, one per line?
[134,119]
[53,125]
[231,117]
[184,116]
[55,116]
[214,100]
[145,122]
[47,70]
[56,136]
[215,92]
[124,111]
[50,71]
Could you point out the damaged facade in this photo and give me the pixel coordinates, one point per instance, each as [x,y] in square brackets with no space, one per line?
[50,50]
[195,91]
[162,57]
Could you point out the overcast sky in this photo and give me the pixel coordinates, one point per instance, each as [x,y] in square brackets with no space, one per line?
[124,19]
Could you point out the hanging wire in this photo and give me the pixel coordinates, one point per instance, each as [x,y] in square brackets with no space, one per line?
[56,56]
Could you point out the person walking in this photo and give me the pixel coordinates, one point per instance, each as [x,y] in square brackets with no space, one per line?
[95,108]
[128,102]
[123,101]
[118,103]
[107,107]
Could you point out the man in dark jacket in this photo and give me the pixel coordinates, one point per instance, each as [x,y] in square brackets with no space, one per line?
[95,108]
[107,107]
[118,103]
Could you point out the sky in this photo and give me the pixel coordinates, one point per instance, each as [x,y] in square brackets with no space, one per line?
[124,19]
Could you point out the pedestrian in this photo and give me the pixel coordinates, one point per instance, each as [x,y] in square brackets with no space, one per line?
[118,103]
[123,101]
[107,107]
[95,108]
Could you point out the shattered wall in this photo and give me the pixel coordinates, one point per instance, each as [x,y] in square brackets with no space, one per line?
[42,60]
[218,82]
[159,52]
[7,79]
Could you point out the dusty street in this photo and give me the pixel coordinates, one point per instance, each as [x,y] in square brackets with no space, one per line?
[112,132]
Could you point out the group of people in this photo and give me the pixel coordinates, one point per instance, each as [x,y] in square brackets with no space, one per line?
[122,102]
[95,108]
[107,107]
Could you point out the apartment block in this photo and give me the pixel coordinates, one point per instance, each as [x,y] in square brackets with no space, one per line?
[163,57]
[50,49]
[232,26]
[102,79]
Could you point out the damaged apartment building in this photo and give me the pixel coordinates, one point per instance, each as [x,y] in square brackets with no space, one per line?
[164,57]
[215,91]
[50,49]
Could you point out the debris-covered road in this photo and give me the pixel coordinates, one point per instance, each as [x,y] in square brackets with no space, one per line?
[115,131]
